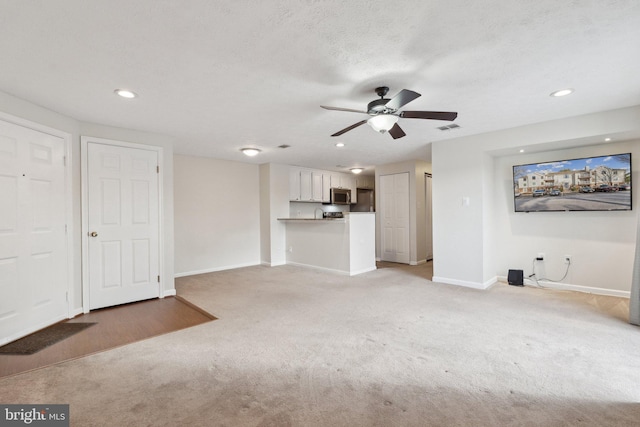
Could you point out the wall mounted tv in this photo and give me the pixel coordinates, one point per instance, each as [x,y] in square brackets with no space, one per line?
[600,183]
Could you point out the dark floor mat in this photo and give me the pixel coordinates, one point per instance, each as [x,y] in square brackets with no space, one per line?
[44,338]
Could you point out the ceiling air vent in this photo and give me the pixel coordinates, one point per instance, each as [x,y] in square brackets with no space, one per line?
[449,127]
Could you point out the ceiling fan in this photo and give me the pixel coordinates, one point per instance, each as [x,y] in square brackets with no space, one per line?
[384,113]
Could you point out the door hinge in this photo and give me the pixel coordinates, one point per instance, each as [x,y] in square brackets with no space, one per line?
[65,229]
[64,160]
[157,169]
[66,296]
[158,278]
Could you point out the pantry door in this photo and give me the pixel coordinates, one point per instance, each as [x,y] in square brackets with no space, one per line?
[34,191]
[394,203]
[123,221]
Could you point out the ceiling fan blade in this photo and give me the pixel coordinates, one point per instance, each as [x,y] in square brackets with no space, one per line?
[433,115]
[343,109]
[349,128]
[404,97]
[396,132]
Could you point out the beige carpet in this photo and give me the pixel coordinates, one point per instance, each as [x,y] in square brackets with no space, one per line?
[299,347]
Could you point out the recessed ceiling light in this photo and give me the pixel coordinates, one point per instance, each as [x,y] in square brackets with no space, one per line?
[340,144]
[607,139]
[250,151]
[522,150]
[561,92]
[356,170]
[125,93]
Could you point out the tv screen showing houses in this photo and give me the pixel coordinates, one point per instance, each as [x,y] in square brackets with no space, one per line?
[589,184]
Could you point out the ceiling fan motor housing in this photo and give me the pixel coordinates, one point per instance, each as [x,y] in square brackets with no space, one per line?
[379,107]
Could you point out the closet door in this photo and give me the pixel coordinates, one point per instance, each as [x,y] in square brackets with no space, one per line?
[394,202]
[33,244]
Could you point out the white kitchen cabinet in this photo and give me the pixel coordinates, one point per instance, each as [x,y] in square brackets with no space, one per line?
[305,185]
[349,181]
[344,180]
[310,185]
[367,182]
[336,180]
[326,187]
[316,186]
[294,184]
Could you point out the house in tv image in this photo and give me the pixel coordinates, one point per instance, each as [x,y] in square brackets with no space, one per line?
[594,178]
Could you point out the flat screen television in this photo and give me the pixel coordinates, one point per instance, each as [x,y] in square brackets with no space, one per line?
[600,183]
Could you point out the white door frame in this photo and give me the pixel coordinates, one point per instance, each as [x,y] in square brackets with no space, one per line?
[428,205]
[68,194]
[84,144]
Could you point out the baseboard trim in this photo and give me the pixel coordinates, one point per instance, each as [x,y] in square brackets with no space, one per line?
[315,267]
[577,288]
[422,261]
[77,312]
[169,293]
[272,264]
[465,283]
[366,270]
[213,270]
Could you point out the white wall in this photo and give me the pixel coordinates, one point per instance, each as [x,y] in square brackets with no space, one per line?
[601,243]
[217,214]
[274,190]
[458,246]
[476,243]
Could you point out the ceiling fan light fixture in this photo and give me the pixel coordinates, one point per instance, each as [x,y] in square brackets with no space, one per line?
[382,122]
[356,170]
[250,151]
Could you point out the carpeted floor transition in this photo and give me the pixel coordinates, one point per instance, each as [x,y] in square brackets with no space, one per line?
[44,338]
[111,327]
[300,347]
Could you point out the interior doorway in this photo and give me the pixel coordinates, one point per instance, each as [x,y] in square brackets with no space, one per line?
[121,222]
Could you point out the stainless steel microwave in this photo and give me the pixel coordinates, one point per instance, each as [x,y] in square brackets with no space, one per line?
[340,196]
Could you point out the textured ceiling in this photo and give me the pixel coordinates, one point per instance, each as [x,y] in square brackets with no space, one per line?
[221,75]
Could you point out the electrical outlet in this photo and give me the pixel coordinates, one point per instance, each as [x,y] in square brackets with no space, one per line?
[540,256]
[290,249]
[567,259]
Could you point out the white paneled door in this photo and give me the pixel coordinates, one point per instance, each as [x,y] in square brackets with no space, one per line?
[122,224]
[33,242]
[394,193]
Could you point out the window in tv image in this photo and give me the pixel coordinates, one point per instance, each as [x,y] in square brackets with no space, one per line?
[586,184]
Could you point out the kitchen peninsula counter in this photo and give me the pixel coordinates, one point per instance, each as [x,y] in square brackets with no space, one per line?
[345,245]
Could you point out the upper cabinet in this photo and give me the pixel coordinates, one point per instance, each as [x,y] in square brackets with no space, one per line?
[305,185]
[310,185]
[367,182]
[294,185]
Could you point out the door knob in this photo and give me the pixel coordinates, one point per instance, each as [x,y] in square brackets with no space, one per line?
[93,234]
